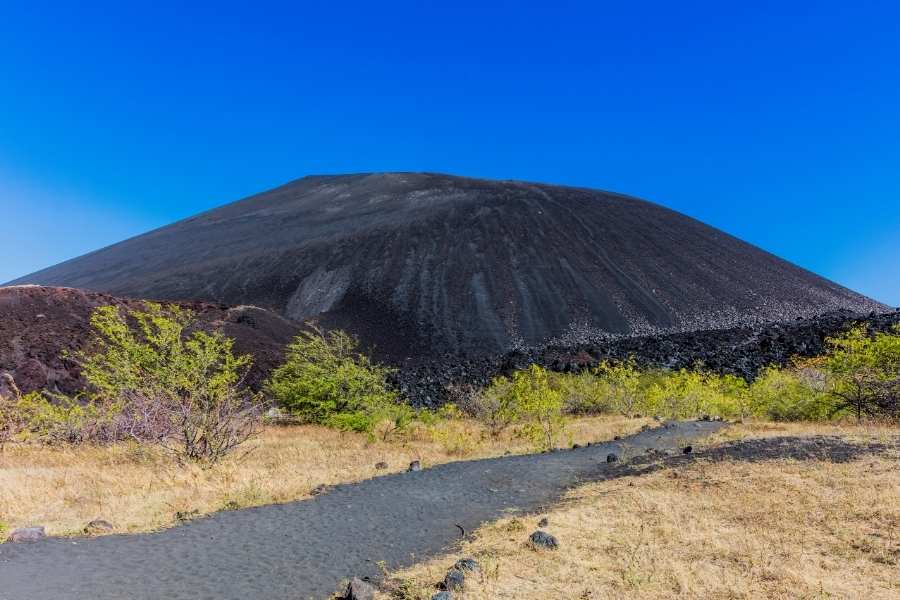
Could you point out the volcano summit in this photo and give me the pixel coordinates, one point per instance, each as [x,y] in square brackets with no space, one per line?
[421,265]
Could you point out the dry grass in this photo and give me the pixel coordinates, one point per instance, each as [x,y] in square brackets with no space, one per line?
[140,489]
[775,529]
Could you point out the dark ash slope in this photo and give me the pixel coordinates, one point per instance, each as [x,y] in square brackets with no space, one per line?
[420,265]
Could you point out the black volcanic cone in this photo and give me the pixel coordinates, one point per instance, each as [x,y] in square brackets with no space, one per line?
[420,265]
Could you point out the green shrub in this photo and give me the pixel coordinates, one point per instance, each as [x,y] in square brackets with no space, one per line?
[864,372]
[620,385]
[326,380]
[585,393]
[788,395]
[151,381]
[61,419]
[495,406]
[533,400]
[168,382]
[539,404]
[688,393]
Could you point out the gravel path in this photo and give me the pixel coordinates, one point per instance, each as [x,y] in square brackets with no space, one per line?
[304,549]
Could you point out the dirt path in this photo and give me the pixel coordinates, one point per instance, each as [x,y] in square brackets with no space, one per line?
[304,549]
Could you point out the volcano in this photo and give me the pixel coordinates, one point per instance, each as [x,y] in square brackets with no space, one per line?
[420,266]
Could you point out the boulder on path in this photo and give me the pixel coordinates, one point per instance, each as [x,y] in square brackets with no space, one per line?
[541,540]
[415,466]
[27,534]
[687,449]
[359,589]
[612,457]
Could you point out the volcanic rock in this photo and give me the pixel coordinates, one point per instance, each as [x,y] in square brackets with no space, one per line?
[467,565]
[455,580]
[359,589]
[27,534]
[543,540]
[98,526]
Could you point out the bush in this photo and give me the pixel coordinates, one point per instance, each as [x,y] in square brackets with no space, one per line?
[864,372]
[533,399]
[326,380]
[585,393]
[789,395]
[149,380]
[61,420]
[689,393]
[621,385]
[494,407]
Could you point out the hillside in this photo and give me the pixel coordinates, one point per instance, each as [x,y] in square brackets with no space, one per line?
[420,265]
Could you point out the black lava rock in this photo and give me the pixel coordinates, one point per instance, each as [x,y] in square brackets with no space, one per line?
[541,540]
[359,589]
[469,565]
[612,457]
[687,449]
[454,580]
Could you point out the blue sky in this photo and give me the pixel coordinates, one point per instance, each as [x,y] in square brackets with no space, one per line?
[777,122]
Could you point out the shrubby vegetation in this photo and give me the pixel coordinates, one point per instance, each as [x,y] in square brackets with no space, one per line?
[326,380]
[153,377]
[150,379]
[858,377]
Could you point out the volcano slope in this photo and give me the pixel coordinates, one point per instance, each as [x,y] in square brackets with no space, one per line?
[420,266]
[39,324]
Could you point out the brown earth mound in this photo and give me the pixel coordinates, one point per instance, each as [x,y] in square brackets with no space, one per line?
[38,324]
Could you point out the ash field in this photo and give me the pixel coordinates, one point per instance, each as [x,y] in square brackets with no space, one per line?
[451,279]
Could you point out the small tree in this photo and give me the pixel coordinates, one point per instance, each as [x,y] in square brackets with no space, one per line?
[864,371]
[623,382]
[326,380]
[157,382]
[853,371]
[540,405]
[789,395]
[495,406]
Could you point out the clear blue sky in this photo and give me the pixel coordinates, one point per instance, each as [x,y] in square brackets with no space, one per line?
[779,123]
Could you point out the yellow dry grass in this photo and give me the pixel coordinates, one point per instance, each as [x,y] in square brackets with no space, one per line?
[732,529]
[140,489]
